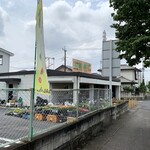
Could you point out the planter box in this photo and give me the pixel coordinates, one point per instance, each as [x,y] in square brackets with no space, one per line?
[40,117]
[52,118]
[71,119]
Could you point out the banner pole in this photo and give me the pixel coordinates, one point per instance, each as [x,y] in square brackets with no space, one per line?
[32,100]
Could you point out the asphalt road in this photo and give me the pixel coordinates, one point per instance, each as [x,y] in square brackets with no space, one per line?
[13,128]
[129,132]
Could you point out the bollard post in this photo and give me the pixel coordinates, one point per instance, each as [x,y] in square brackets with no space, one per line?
[115,113]
[135,102]
[129,104]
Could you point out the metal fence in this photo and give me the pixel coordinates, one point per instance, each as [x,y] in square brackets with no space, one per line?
[127,95]
[23,118]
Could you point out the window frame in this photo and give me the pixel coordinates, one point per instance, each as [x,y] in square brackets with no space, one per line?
[1,59]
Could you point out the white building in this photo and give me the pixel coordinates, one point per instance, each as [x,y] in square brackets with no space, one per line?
[5,60]
[130,76]
[59,80]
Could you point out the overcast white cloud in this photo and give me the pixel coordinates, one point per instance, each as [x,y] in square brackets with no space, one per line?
[74,24]
[1,24]
[3,18]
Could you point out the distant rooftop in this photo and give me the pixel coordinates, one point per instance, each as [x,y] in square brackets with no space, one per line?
[7,52]
[126,67]
[63,66]
[126,81]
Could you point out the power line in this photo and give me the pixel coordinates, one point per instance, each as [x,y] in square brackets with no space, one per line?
[49,63]
[92,48]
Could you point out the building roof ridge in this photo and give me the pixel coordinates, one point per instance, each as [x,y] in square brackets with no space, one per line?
[7,52]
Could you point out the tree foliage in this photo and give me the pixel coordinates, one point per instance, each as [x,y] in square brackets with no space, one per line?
[132,24]
[148,86]
[142,88]
[128,89]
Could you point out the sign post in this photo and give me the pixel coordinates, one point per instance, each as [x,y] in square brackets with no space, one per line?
[110,63]
[110,73]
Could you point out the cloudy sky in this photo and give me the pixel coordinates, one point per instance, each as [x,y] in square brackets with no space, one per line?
[76,25]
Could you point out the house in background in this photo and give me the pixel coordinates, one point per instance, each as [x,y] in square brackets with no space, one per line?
[5,60]
[64,68]
[130,76]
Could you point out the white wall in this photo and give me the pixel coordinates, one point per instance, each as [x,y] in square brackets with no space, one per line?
[129,74]
[26,81]
[2,85]
[2,93]
[6,61]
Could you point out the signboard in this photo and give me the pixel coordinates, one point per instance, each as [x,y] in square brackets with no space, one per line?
[110,60]
[81,66]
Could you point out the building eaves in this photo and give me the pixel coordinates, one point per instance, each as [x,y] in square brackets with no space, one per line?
[7,52]
[62,66]
[61,73]
[126,81]
[126,67]
[10,79]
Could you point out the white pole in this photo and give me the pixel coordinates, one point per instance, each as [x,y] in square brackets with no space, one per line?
[110,71]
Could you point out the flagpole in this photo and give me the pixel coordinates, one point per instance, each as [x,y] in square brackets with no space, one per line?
[32,99]
[34,70]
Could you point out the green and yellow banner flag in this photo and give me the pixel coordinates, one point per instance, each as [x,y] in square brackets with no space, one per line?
[41,79]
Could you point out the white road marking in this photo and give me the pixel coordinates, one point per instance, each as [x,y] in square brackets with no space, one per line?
[5,139]
[18,142]
[6,146]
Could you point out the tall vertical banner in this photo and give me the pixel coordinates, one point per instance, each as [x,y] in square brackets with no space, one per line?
[41,79]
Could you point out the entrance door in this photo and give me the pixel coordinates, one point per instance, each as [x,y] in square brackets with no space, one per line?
[113,91]
[10,93]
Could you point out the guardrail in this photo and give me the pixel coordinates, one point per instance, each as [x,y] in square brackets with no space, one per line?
[23,118]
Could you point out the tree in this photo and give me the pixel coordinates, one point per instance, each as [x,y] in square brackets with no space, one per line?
[142,88]
[132,24]
[128,89]
[148,86]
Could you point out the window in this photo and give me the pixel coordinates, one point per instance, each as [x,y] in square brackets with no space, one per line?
[1,59]
[136,75]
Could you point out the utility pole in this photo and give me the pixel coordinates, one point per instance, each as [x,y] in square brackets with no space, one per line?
[143,72]
[65,51]
[110,70]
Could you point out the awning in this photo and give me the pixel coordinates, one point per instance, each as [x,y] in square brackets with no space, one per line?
[10,80]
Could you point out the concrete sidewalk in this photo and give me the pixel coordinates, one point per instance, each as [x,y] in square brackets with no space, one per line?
[129,132]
